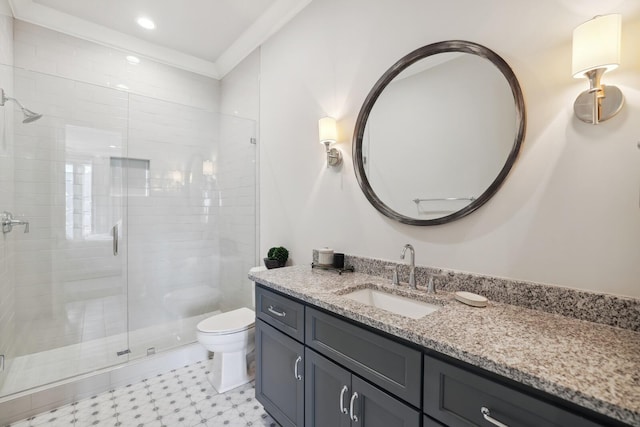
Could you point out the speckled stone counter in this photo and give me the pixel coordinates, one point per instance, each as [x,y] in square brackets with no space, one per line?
[593,365]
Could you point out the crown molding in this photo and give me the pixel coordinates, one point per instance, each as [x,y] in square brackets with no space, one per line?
[271,21]
[279,14]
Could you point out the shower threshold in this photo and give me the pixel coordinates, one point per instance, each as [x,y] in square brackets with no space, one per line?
[46,368]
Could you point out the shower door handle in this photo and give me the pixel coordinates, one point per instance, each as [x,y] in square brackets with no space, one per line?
[114,232]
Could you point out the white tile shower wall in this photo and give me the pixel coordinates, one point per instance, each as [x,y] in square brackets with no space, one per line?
[48,51]
[7,312]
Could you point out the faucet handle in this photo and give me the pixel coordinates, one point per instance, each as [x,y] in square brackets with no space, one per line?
[431,286]
[394,278]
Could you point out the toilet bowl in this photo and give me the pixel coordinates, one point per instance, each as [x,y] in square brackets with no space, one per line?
[231,337]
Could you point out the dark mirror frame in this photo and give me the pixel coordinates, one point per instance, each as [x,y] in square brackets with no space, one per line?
[381,84]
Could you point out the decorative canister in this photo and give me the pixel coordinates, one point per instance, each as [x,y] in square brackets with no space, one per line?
[325,256]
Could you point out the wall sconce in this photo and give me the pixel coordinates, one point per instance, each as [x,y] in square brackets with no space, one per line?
[596,50]
[328,133]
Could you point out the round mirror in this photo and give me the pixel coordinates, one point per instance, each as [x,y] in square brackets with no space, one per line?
[438,133]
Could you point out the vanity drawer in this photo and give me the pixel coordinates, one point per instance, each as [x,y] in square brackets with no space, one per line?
[282,313]
[455,397]
[388,364]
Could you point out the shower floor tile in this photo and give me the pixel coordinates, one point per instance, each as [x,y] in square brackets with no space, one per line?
[179,398]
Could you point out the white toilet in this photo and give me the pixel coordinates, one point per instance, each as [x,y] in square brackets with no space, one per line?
[231,337]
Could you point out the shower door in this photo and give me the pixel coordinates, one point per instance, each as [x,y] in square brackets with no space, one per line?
[69,286]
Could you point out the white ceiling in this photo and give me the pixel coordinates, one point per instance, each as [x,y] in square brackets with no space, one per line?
[208,37]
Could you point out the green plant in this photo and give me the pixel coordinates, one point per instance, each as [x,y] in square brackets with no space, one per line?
[279,253]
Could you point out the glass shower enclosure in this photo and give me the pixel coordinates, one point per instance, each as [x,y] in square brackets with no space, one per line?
[141,221]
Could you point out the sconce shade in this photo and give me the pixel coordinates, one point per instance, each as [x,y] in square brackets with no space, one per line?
[327,130]
[596,44]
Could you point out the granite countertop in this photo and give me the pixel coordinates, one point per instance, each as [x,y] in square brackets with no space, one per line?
[593,365]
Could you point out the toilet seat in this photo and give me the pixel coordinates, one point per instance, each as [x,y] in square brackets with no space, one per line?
[229,322]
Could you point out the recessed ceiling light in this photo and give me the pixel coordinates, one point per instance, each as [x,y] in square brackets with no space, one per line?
[133,59]
[146,23]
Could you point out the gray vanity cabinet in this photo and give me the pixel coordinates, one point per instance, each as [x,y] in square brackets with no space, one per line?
[459,398]
[334,397]
[280,375]
[280,357]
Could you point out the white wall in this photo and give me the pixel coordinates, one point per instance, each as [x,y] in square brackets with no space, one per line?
[566,215]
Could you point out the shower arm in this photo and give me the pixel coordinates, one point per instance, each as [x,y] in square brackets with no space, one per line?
[6,98]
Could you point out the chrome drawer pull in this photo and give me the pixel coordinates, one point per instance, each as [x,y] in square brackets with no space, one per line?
[343,409]
[295,369]
[487,416]
[276,312]
[353,416]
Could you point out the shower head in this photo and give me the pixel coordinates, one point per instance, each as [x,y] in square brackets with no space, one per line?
[29,116]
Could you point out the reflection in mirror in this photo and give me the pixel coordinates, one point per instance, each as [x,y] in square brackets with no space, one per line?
[438,133]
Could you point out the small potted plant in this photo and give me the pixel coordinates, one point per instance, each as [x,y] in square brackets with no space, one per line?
[276,257]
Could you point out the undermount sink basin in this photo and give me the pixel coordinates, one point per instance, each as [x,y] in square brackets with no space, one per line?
[394,303]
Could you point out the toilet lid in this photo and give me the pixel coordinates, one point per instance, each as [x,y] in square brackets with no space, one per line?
[229,322]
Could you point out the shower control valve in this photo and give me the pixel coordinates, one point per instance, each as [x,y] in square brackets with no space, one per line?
[7,222]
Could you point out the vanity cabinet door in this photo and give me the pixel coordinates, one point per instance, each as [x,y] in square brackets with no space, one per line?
[337,398]
[280,375]
[375,408]
[327,392]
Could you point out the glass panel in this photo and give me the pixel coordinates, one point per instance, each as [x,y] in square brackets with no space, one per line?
[192,236]
[69,285]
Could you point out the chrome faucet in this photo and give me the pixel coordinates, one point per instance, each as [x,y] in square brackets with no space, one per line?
[412,260]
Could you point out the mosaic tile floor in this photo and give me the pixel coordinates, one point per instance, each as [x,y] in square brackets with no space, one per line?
[179,398]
